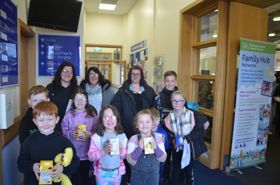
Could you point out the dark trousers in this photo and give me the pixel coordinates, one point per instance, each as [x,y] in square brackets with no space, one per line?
[81,176]
[164,171]
[177,171]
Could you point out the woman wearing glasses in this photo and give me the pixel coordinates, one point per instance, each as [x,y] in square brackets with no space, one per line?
[134,95]
[100,92]
[61,88]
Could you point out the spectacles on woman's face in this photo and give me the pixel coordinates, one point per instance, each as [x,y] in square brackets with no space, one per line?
[95,75]
[68,72]
[178,101]
[80,99]
[136,74]
[109,117]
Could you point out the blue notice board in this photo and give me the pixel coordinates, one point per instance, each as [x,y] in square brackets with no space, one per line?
[54,50]
[8,44]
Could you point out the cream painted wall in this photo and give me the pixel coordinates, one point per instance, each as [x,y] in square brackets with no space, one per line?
[158,22]
[21,9]
[139,26]
[104,29]
[167,31]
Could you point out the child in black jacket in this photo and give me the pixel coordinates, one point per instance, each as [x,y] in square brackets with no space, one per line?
[36,94]
[45,145]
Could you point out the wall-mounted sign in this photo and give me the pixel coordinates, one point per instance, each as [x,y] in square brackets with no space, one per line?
[54,50]
[138,46]
[139,55]
[8,44]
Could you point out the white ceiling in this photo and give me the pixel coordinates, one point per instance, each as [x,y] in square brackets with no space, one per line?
[123,6]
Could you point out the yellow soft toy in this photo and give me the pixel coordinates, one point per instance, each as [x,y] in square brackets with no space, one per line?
[64,159]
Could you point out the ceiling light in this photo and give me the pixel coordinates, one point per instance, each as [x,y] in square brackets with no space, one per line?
[104,6]
[271,34]
[276,18]
[215,35]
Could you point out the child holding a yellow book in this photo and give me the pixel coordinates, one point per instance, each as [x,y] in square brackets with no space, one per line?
[145,151]
[38,151]
[78,125]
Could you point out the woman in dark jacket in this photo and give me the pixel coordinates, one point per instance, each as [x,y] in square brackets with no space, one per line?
[99,90]
[134,95]
[62,87]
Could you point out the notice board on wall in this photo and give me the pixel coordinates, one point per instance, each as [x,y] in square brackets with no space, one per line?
[54,50]
[8,44]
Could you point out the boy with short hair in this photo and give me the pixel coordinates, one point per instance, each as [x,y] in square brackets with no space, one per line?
[164,106]
[44,145]
[36,94]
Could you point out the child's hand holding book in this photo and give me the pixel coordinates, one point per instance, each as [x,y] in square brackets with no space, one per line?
[36,170]
[106,148]
[57,171]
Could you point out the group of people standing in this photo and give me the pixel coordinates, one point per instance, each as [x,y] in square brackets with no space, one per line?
[108,132]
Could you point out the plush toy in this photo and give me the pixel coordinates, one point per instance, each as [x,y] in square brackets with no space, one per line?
[64,159]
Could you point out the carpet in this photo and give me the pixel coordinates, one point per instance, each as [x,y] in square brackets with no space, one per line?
[205,176]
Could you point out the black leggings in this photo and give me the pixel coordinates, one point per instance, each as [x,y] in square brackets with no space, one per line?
[81,176]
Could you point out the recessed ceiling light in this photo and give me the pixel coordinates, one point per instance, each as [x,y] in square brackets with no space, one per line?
[276,18]
[103,6]
[215,35]
[271,34]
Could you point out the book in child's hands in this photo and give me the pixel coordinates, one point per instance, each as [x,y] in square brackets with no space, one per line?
[81,130]
[148,145]
[115,150]
[46,167]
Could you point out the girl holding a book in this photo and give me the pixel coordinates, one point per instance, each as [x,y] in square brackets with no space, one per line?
[108,147]
[78,125]
[145,151]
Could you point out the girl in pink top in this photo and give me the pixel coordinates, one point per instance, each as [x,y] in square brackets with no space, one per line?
[108,148]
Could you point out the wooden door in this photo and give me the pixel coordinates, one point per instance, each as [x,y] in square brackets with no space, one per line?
[23,78]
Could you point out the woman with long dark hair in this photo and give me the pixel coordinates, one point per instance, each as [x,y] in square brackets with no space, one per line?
[61,88]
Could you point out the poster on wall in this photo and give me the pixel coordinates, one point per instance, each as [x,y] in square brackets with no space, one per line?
[253,103]
[8,44]
[54,50]
[139,54]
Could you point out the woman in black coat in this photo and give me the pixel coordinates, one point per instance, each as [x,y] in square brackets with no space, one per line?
[134,95]
[61,88]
